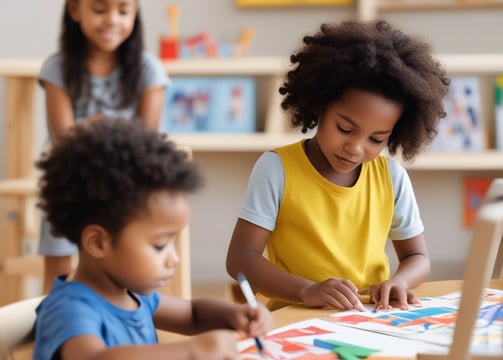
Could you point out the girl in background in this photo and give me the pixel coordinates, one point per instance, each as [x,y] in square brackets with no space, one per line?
[101,69]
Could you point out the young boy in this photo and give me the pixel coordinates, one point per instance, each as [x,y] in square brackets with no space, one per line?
[120,193]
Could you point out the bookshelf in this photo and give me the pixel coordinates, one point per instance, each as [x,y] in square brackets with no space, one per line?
[275,130]
[273,127]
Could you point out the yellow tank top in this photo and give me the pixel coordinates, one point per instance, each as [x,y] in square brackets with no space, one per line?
[324,230]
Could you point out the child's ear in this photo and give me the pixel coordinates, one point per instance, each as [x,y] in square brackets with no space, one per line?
[95,241]
[72,8]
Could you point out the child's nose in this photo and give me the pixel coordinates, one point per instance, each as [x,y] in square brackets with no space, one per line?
[354,148]
[112,17]
[172,259]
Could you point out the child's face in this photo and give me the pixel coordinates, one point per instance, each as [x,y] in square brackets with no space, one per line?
[105,23]
[143,257]
[355,129]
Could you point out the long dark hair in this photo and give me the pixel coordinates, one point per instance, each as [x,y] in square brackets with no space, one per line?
[73,47]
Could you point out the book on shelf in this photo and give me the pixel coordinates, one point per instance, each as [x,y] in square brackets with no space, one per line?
[498,111]
[462,129]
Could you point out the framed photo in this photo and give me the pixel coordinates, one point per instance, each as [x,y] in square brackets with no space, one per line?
[292,2]
[207,104]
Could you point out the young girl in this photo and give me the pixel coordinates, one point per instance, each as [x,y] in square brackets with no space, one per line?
[100,69]
[324,207]
[125,207]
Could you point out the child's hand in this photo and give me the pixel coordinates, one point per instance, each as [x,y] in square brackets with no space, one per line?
[390,293]
[253,322]
[333,293]
[215,345]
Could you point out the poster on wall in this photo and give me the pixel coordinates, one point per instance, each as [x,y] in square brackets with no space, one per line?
[462,129]
[475,190]
[209,104]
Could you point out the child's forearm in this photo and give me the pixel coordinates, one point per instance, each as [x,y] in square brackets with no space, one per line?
[211,314]
[270,281]
[413,270]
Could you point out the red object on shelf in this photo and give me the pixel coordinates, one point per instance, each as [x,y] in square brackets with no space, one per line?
[475,191]
[168,48]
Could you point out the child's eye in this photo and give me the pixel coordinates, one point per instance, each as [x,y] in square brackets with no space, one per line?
[125,11]
[342,130]
[159,247]
[98,9]
[377,141]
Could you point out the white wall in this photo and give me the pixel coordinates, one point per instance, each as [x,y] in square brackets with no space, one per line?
[31,28]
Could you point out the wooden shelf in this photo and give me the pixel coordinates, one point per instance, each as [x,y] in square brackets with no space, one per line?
[472,63]
[391,5]
[256,142]
[490,160]
[17,67]
[248,66]
[258,66]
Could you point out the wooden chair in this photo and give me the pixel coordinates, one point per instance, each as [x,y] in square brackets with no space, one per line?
[486,238]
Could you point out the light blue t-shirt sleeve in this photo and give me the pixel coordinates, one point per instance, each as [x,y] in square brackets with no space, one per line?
[52,72]
[264,192]
[406,221]
[153,73]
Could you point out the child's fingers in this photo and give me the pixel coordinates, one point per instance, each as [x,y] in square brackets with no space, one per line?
[364,295]
[364,291]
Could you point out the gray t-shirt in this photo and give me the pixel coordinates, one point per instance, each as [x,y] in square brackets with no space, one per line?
[104,99]
[265,190]
[105,96]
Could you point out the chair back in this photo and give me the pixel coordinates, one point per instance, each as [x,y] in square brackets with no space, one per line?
[16,325]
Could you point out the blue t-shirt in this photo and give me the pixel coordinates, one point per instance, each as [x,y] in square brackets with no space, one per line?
[72,309]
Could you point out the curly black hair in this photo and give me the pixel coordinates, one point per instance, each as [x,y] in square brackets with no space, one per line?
[374,57]
[73,47]
[103,172]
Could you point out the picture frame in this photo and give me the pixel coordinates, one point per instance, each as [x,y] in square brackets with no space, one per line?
[209,104]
